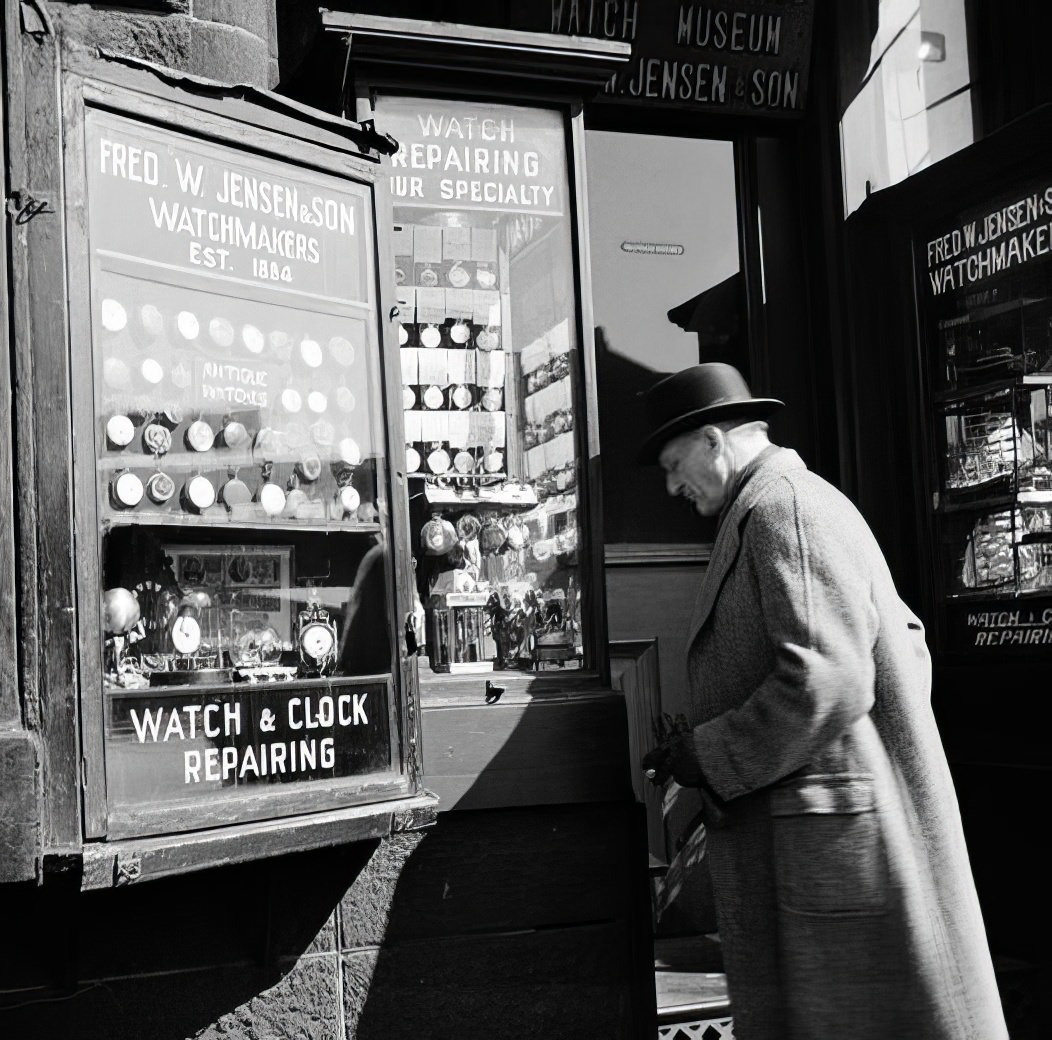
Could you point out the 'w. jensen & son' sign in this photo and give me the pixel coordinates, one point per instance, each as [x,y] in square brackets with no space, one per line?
[743,57]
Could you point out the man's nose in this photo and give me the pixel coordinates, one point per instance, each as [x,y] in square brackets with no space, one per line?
[672,484]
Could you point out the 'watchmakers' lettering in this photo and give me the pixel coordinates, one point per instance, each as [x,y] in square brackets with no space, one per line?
[997,241]
[229,229]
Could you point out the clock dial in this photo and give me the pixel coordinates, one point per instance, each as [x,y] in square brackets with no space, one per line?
[317,641]
[186,634]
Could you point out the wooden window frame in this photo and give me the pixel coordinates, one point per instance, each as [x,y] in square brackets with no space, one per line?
[62,685]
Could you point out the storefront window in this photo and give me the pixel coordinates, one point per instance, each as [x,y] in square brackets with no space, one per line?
[491,380]
[667,293]
[240,470]
[986,294]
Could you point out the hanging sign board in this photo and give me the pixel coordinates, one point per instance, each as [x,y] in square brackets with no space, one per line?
[473,156]
[992,241]
[185,204]
[730,56]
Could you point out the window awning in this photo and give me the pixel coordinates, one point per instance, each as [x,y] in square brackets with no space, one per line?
[570,61]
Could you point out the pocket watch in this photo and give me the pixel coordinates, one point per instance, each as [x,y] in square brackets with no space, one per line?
[316,638]
[458,276]
[186,633]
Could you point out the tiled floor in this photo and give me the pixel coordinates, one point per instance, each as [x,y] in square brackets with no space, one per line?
[703,1029]
[693,1002]
[692,998]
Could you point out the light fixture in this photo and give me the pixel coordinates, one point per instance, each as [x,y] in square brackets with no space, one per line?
[932,47]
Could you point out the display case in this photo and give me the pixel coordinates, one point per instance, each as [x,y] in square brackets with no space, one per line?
[987,325]
[239,537]
[491,376]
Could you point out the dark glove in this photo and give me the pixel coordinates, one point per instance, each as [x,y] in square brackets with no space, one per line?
[674,759]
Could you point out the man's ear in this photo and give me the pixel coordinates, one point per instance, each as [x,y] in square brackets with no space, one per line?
[713,438]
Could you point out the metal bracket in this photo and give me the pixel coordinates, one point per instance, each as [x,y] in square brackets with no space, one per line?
[385,144]
[127,869]
[417,818]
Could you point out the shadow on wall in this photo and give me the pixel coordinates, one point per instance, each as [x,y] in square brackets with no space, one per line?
[510,922]
[247,950]
[636,508]
[519,916]
[513,923]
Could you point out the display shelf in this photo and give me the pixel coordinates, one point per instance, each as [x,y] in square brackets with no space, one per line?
[203,690]
[998,593]
[959,505]
[991,310]
[518,495]
[277,524]
[959,396]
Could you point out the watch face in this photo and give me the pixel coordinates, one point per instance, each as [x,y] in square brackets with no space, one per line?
[120,430]
[316,641]
[127,489]
[186,634]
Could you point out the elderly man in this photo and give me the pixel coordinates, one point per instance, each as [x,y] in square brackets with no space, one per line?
[844,896]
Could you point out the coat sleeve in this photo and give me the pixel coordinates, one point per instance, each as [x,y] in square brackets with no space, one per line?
[817,608]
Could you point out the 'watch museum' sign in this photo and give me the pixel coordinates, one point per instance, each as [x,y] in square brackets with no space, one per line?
[742,57]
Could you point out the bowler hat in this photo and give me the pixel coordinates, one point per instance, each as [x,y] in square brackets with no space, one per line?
[707,393]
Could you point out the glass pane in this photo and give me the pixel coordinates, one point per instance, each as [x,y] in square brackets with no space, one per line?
[667,293]
[985,295]
[491,379]
[240,468]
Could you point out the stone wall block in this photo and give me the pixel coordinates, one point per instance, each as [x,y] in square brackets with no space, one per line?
[164,41]
[254,16]
[19,808]
[366,906]
[229,55]
[304,1004]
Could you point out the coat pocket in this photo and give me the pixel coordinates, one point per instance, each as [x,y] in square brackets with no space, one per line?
[828,846]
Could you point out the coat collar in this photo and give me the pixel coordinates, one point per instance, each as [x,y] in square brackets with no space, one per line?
[769,466]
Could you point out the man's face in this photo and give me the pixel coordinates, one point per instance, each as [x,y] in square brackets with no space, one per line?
[696,467]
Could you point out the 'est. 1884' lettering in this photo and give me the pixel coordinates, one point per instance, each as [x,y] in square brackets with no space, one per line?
[271,270]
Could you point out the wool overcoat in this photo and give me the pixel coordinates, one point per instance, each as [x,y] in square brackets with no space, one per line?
[844,896]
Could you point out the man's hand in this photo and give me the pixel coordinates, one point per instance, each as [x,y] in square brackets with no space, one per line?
[673,759]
